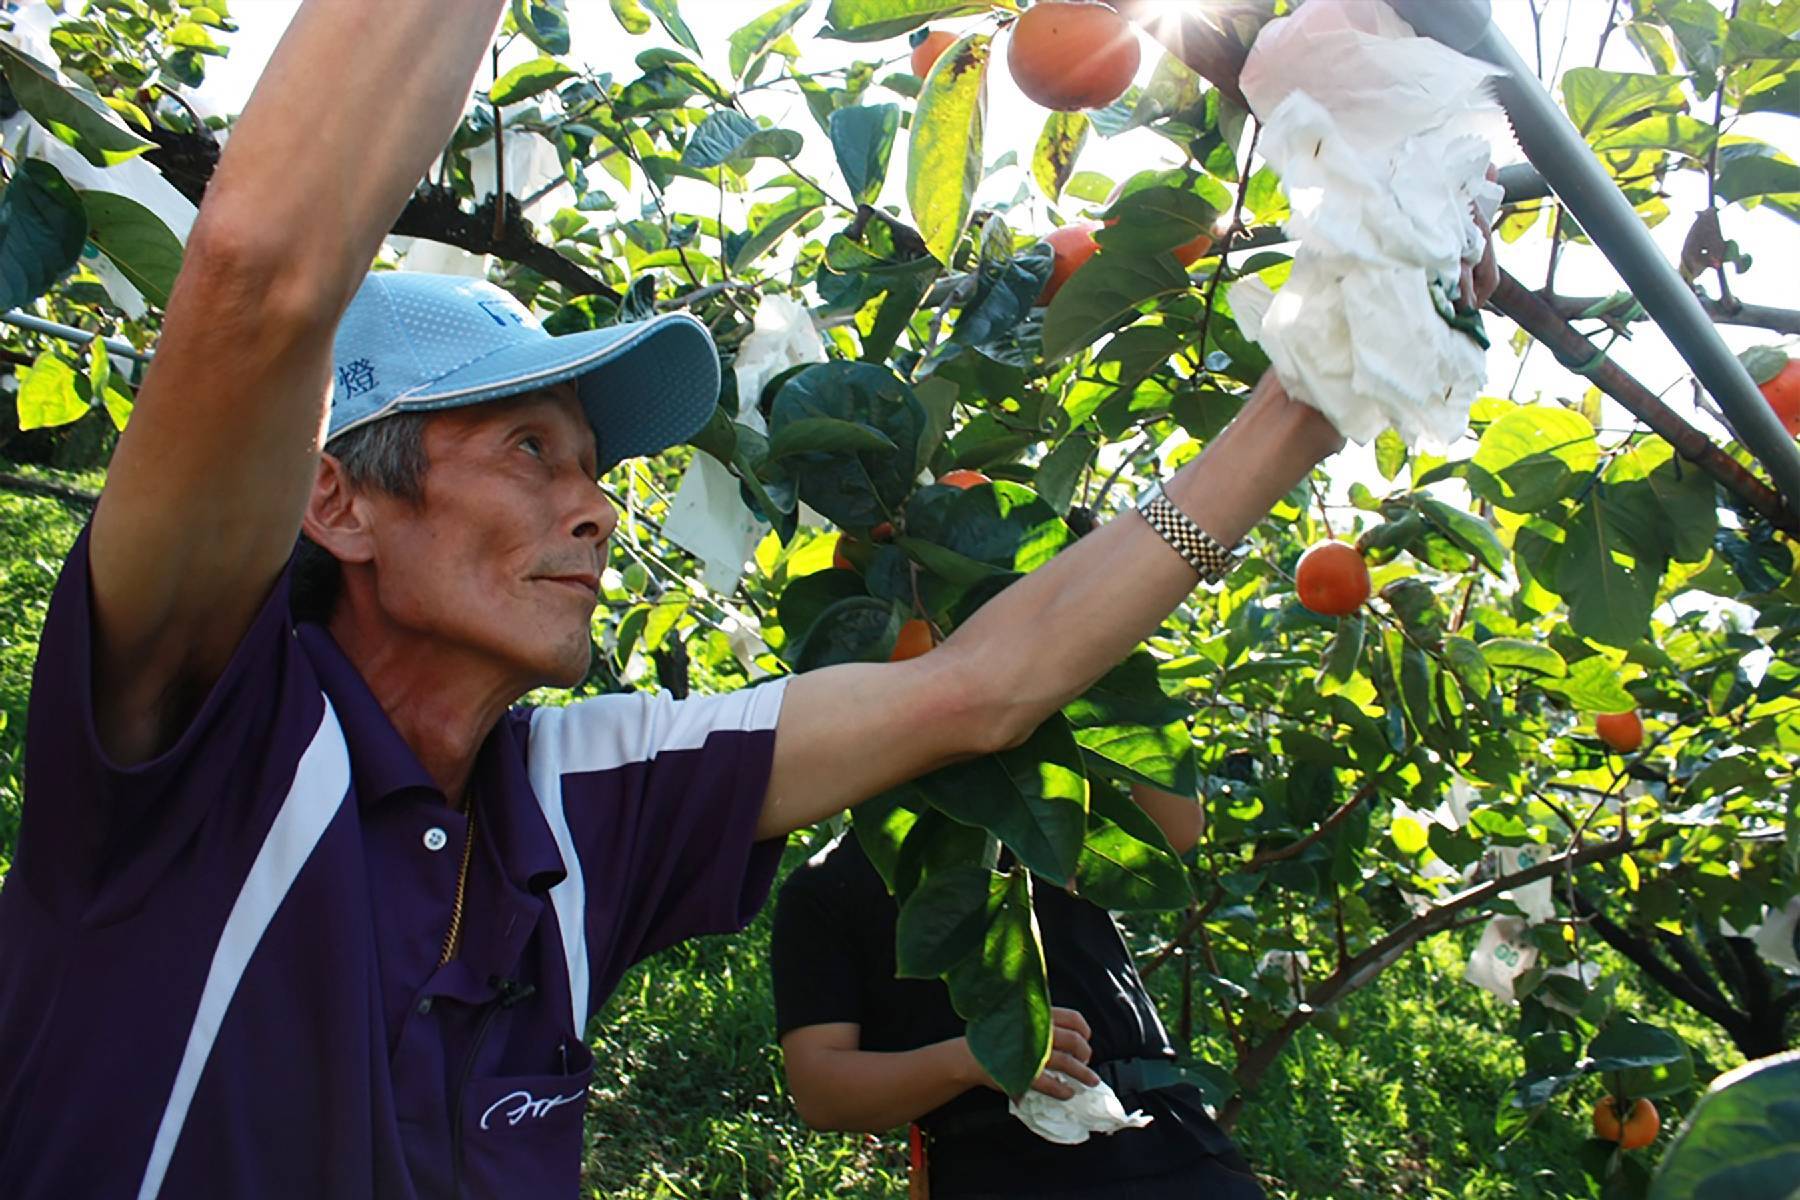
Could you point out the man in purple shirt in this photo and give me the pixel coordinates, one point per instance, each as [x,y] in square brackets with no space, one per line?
[306,907]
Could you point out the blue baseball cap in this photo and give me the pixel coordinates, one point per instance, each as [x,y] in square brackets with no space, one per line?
[412,342]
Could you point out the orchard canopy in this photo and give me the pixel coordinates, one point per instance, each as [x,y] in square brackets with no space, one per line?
[867,247]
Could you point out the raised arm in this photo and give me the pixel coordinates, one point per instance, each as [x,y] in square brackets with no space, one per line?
[849,732]
[205,494]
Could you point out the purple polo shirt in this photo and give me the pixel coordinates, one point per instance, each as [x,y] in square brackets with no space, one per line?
[218,969]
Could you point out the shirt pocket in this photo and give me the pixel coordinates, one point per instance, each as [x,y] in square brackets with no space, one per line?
[521,1134]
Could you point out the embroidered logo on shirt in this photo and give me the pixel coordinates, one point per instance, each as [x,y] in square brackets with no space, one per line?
[524,1104]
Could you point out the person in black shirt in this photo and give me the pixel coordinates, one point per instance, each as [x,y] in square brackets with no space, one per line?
[866,1051]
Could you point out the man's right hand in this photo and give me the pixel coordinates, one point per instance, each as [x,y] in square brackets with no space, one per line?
[1069,1054]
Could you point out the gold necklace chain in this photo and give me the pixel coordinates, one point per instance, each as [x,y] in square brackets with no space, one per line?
[454,933]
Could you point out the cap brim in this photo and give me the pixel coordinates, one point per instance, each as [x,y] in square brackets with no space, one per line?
[645,386]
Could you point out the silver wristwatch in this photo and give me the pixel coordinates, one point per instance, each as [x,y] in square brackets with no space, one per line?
[1198,548]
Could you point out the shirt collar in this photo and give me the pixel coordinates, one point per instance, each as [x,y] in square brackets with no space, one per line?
[382,765]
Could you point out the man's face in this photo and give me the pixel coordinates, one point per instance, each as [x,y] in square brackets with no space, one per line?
[502,559]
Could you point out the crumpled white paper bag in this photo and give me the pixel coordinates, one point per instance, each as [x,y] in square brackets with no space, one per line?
[1070,1122]
[1381,139]
[1534,899]
[708,519]
[1505,952]
[783,336]
[1775,938]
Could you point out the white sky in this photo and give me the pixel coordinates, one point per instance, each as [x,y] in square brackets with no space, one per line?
[1014,122]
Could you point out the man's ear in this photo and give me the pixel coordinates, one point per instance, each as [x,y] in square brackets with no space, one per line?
[338,517]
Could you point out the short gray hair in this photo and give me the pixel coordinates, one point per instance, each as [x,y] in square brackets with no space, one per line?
[386,456]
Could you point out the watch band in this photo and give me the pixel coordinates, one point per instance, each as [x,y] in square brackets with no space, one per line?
[1199,549]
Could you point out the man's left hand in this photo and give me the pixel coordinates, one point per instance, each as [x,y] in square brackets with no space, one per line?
[1480,278]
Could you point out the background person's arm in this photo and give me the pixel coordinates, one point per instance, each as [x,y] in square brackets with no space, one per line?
[839,1087]
[204,497]
[1181,818]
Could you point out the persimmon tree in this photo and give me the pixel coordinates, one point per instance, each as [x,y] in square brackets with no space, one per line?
[1426,761]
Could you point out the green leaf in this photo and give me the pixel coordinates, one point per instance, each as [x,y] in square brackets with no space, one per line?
[1002,524]
[1058,146]
[1004,995]
[545,23]
[1660,505]
[631,16]
[1665,131]
[1342,657]
[1155,219]
[1390,453]
[191,35]
[1742,1139]
[1091,186]
[1466,530]
[1771,179]
[1780,94]
[528,79]
[1534,456]
[827,435]
[943,159]
[859,629]
[1593,685]
[1126,864]
[877,20]
[42,231]
[1409,836]
[1516,654]
[1129,694]
[726,135]
[1032,797]
[945,919]
[882,824]
[1469,663]
[862,136]
[665,614]
[668,15]
[1174,88]
[751,44]
[805,599]
[862,488]
[775,224]
[1650,1061]
[144,250]
[1104,293]
[48,395]
[1060,470]
[1610,591]
[1597,100]
[79,118]
[1006,288]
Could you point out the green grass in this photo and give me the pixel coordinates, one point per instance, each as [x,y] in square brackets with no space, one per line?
[35,536]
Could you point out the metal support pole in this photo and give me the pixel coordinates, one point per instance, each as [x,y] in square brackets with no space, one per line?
[69,333]
[1580,182]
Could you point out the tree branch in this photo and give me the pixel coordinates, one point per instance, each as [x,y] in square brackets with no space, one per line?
[1338,816]
[1700,995]
[1360,970]
[188,160]
[79,497]
[1762,316]
[1540,319]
